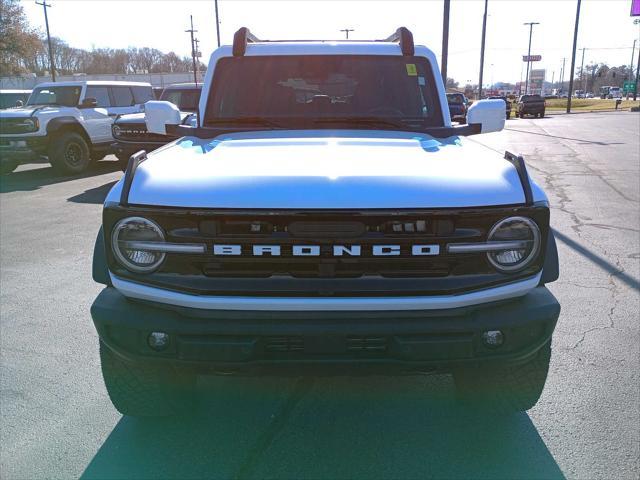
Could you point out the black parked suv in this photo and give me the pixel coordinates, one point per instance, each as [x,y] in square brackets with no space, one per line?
[530,105]
[130,131]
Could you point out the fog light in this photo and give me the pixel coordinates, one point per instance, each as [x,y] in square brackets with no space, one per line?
[493,338]
[158,340]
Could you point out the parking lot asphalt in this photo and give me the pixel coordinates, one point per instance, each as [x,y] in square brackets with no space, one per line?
[57,421]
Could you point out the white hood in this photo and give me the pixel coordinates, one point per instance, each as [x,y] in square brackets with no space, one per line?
[325,169]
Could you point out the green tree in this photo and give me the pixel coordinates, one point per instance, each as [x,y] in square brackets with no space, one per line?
[18,41]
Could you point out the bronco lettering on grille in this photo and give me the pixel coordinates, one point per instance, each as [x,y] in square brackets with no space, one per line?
[333,250]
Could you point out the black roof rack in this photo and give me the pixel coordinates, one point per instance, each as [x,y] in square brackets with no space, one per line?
[402,35]
[405,38]
[240,40]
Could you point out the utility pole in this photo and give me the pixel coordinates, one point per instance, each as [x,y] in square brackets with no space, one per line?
[573,56]
[346,31]
[582,69]
[193,51]
[217,23]
[445,41]
[553,77]
[633,53]
[562,75]
[484,34]
[52,65]
[198,54]
[635,92]
[526,83]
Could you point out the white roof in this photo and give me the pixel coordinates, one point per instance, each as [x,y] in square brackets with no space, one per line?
[80,83]
[14,91]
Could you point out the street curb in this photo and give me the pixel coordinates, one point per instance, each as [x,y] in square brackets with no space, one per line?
[590,111]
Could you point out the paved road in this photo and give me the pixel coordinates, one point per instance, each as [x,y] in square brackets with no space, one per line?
[57,421]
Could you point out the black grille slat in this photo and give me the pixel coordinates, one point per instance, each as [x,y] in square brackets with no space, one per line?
[285,344]
[367,344]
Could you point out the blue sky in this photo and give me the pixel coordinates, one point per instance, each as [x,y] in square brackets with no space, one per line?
[606,29]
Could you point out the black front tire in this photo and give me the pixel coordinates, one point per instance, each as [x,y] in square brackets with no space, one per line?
[146,390]
[505,389]
[8,166]
[69,153]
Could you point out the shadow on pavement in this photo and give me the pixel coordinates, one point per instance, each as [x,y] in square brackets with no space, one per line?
[35,178]
[93,195]
[371,427]
[581,140]
[601,262]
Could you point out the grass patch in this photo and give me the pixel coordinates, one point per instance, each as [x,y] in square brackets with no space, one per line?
[588,104]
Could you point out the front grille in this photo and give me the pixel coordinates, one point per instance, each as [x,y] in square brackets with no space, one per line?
[139,133]
[12,125]
[326,274]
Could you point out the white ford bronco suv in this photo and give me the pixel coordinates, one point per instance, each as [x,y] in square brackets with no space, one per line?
[324,215]
[68,122]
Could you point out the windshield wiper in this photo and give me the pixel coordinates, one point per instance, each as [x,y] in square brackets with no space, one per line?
[262,121]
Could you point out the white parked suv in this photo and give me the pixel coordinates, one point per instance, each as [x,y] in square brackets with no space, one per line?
[68,122]
[324,214]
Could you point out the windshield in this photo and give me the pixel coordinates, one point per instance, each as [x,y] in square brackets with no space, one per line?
[320,87]
[185,99]
[66,96]
[8,100]
[455,98]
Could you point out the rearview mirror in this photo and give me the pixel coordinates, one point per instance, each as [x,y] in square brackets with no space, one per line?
[490,114]
[158,114]
[89,102]
[19,103]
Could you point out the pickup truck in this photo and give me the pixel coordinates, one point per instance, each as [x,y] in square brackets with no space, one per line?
[324,215]
[530,105]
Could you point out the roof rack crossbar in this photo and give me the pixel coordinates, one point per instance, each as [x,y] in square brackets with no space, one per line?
[403,36]
[240,40]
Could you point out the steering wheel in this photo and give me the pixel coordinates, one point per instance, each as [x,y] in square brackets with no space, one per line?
[386,110]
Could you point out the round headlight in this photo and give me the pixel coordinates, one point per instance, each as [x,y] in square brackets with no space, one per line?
[522,231]
[116,130]
[126,234]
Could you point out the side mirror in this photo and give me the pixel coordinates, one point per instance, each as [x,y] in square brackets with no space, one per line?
[19,103]
[89,102]
[158,114]
[490,114]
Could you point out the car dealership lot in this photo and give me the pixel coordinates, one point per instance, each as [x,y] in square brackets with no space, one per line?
[57,421]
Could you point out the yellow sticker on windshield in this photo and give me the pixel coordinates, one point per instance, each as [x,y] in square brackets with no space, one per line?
[411,69]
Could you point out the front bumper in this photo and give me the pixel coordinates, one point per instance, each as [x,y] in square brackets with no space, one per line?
[255,341]
[22,148]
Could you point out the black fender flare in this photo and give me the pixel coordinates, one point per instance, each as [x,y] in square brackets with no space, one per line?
[551,266]
[59,123]
[100,268]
